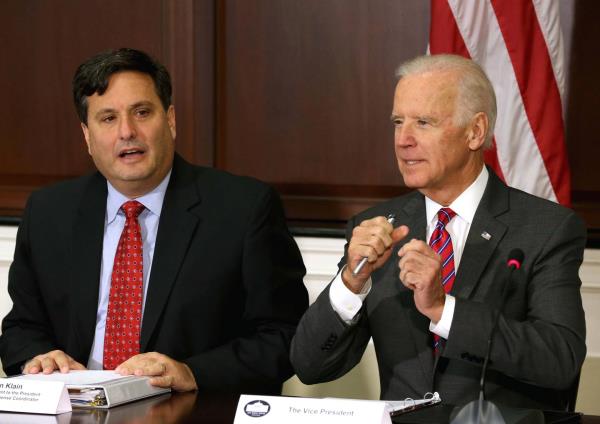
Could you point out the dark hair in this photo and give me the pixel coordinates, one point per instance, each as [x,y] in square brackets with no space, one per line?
[92,76]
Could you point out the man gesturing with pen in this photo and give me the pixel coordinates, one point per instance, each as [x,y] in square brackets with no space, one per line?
[152,266]
[429,290]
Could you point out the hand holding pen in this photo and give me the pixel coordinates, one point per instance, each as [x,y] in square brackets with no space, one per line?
[369,248]
[390,219]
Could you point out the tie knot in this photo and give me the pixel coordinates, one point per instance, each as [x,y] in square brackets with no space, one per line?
[132,208]
[445,215]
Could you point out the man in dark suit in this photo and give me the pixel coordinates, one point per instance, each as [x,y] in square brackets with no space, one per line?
[220,289]
[431,286]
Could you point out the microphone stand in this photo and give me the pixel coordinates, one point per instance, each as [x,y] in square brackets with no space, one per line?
[482,411]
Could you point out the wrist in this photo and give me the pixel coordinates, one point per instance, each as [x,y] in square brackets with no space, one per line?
[435,312]
[354,284]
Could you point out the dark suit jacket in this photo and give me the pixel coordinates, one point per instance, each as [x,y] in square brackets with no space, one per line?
[540,343]
[225,291]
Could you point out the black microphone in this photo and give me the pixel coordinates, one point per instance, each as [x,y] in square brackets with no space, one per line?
[483,411]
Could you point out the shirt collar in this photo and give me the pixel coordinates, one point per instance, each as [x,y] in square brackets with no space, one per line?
[465,204]
[152,200]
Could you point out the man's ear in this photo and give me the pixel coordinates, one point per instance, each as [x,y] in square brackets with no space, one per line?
[171,121]
[478,129]
[86,135]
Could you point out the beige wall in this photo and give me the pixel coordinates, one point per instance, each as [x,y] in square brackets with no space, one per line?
[321,256]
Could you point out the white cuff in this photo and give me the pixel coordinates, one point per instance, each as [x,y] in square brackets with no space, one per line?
[442,328]
[345,302]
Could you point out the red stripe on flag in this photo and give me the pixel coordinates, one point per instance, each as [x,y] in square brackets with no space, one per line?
[445,37]
[533,69]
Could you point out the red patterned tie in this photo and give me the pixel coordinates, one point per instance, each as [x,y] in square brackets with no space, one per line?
[442,244]
[123,319]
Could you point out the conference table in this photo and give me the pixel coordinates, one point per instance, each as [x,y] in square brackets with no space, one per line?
[182,408]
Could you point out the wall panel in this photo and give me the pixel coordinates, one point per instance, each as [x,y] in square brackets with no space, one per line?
[582,123]
[295,93]
[306,91]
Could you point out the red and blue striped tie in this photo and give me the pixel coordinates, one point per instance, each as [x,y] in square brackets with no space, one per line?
[441,243]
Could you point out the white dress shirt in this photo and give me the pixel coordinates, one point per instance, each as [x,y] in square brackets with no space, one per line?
[347,304]
[113,227]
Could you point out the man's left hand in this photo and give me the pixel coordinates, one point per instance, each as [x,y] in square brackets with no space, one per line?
[164,371]
[420,271]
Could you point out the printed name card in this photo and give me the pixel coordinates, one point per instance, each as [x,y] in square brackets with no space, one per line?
[37,397]
[292,410]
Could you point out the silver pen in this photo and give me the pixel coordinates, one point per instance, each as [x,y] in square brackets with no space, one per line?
[391,218]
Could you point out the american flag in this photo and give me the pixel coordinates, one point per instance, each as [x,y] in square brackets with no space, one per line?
[519,44]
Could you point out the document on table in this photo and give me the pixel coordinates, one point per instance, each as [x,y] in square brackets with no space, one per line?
[76,378]
[100,389]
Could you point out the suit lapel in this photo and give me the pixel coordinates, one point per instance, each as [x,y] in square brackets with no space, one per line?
[415,216]
[178,221]
[483,238]
[88,233]
[485,234]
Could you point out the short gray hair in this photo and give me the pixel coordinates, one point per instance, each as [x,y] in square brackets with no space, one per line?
[475,93]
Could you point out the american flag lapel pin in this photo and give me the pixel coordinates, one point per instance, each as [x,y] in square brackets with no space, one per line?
[486,235]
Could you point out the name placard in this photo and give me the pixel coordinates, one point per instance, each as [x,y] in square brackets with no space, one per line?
[37,397]
[291,410]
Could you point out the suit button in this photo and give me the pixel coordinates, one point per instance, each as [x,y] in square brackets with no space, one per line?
[472,358]
[329,342]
